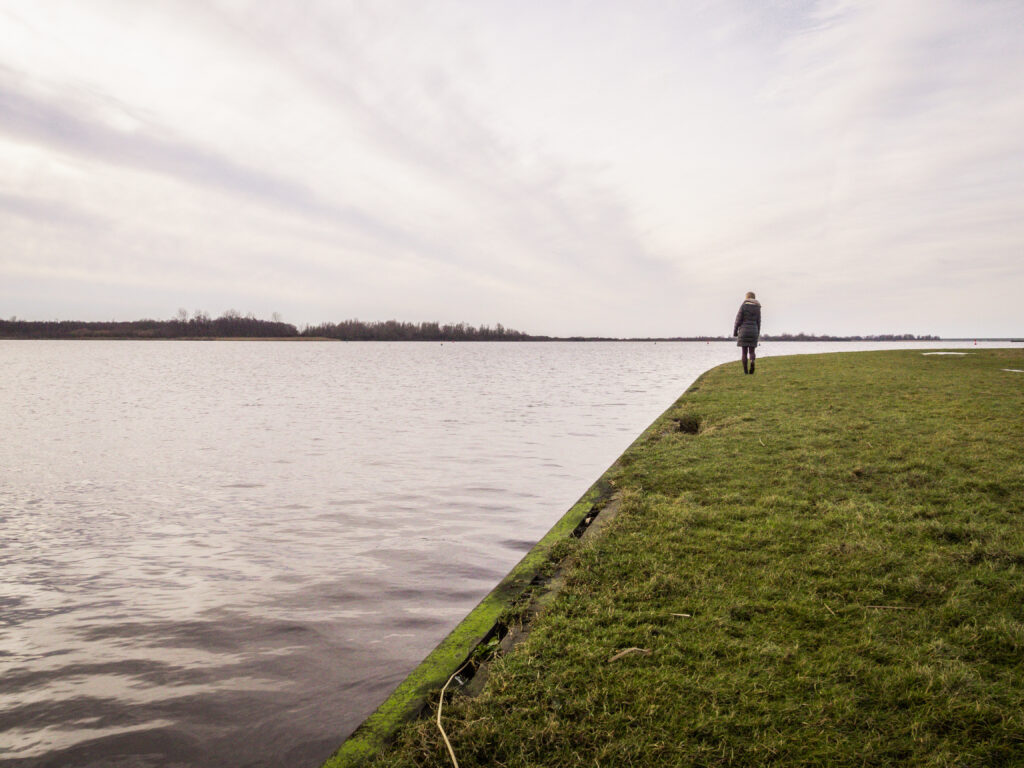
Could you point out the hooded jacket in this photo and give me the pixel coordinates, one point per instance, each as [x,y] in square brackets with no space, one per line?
[747,328]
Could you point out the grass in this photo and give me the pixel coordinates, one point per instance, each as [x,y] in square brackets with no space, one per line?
[823,564]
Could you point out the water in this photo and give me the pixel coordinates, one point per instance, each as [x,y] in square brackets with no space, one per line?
[227,554]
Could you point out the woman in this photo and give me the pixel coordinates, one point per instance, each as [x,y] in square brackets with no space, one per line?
[747,329]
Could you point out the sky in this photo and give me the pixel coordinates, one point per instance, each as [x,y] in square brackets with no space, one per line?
[562,168]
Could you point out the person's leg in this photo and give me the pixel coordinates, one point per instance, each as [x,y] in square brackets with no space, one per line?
[753,357]
[745,350]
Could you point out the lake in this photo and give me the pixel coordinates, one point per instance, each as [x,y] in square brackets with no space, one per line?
[228,553]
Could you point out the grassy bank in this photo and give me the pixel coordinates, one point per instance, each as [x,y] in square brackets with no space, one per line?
[820,564]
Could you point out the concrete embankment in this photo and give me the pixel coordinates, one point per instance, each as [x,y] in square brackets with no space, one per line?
[819,564]
[491,627]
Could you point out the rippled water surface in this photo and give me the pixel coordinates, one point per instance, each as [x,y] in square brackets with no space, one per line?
[227,554]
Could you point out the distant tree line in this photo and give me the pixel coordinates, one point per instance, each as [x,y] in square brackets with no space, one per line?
[233,325]
[879,337]
[199,326]
[393,330]
[764,337]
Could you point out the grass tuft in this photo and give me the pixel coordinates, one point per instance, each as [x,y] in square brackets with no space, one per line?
[688,423]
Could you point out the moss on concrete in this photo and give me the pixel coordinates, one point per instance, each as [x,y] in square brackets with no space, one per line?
[408,699]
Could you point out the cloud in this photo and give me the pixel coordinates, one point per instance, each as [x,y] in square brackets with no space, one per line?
[409,104]
[43,122]
[618,171]
[49,211]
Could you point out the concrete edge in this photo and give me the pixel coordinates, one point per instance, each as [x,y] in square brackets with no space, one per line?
[409,698]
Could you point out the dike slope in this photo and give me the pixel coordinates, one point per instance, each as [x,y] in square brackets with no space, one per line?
[820,564]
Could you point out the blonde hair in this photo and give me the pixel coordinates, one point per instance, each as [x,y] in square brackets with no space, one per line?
[750,295]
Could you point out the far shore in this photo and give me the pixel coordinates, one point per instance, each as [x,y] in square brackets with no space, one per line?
[546,339]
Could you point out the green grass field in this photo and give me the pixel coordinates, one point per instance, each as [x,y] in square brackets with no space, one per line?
[818,565]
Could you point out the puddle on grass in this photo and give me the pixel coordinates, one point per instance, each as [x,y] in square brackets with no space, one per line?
[1013,370]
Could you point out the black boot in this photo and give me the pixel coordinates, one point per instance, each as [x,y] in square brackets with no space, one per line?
[745,367]
[751,366]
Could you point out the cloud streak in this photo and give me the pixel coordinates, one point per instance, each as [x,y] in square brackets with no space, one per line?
[48,211]
[41,121]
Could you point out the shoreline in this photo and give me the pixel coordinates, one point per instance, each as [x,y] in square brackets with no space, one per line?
[491,625]
[483,629]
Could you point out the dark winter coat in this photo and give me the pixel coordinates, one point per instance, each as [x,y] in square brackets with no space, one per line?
[747,327]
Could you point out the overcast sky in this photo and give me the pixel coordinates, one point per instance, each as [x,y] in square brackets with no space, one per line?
[599,168]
